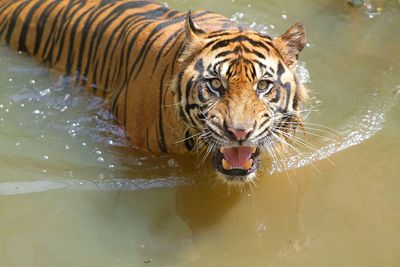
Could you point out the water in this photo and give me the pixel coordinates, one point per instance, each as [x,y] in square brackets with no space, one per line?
[73,192]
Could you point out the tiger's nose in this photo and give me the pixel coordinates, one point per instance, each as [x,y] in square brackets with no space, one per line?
[241,134]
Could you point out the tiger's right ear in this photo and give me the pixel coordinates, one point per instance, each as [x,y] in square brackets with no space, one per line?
[194,40]
[192,30]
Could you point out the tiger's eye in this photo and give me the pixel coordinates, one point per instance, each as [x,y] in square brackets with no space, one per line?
[262,85]
[216,83]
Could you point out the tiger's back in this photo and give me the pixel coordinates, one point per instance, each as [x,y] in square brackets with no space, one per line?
[124,51]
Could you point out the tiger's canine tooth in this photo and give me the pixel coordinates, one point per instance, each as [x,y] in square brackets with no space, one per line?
[253,150]
[226,165]
[221,149]
[247,165]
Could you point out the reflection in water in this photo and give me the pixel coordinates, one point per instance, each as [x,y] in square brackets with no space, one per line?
[264,220]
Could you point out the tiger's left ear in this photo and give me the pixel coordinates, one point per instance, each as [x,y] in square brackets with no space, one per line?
[194,39]
[291,43]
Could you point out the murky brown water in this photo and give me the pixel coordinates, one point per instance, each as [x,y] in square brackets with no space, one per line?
[73,194]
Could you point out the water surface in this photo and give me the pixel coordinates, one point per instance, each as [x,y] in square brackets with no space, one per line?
[74,192]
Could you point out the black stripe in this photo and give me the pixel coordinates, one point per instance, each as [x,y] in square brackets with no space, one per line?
[13,21]
[199,66]
[288,89]
[179,91]
[3,23]
[277,96]
[200,93]
[47,48]
[240,38]
[161,138]
[84,34]
[120,29]
[189,143]
[148,44]
[173,36]
[102,27]
[280,70]
[235,51]
[73,33]
[26,24]
[66,21]
[42,25]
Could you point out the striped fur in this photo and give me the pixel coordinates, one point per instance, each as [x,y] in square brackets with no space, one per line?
[149,61]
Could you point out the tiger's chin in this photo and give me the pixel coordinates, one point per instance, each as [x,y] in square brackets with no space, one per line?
[236,164]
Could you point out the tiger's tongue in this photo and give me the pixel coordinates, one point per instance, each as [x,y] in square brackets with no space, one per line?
[237,156]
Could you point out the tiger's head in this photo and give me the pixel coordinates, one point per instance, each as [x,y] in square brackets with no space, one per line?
[239,95]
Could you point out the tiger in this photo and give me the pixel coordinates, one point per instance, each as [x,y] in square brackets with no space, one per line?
[177,82]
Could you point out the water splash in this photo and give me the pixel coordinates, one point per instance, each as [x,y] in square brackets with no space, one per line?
[26,187]
[368,123]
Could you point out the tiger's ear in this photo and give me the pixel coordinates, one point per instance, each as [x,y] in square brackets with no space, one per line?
[194,40]
[291,43]
[192,30]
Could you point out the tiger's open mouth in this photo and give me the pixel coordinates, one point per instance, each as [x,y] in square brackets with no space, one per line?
[236,162]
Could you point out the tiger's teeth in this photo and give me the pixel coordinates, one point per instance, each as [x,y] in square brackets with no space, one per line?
[221,149]
[247,165]
[253,150]
[226,165]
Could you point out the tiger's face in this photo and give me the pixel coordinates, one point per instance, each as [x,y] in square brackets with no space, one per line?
[240,95]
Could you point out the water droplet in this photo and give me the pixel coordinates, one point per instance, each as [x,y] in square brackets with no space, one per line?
[100,159]
[17,144]
[32,81]
[83,144]
[46,157]
[7,110]
[64,108]
[66,147]
[22,105]
[111,166]
[1,106]
[36,111]
[44,171]
[45,92]
[10,79]
[284,16]
[98,152]
[172,163]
